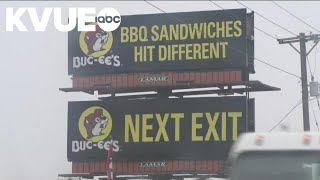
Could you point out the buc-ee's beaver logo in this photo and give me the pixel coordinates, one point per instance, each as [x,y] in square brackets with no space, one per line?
[96,45]
[95,125]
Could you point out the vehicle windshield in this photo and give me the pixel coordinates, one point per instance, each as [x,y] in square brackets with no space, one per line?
[277,166]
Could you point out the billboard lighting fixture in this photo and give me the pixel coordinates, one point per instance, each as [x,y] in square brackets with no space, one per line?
[182,174]
[131,176]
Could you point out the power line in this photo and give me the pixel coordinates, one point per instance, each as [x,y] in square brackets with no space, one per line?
[318,103]
[216,4]
[295,16]
[300,101]
[255,59]
[314,115]
[155,6]
[277,68]
[264,32]
[312,77]
[162,10]
[259,60]
[267,19]
[315,63]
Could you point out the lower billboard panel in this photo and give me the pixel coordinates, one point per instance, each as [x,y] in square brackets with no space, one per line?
[157,129]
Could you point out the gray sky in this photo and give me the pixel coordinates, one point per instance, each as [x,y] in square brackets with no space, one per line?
[33,130]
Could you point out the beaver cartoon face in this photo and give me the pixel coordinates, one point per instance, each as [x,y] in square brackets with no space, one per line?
[96,39]
[95,123]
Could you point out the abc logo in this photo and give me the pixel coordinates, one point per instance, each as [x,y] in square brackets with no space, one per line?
[108,19]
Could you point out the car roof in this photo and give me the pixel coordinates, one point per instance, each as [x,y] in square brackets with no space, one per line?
[282,141]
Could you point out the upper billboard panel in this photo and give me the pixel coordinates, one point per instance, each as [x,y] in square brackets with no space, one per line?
[187,41]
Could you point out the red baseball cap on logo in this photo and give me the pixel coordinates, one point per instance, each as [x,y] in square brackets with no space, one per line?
[96,113]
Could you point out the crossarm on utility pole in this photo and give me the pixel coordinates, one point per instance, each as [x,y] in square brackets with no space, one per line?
[288,40]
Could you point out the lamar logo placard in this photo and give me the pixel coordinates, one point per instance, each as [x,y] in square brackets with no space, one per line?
[152,164]
[108,19]
[153,79]
[95,125]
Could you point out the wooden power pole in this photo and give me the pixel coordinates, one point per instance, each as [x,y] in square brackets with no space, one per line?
[302,39]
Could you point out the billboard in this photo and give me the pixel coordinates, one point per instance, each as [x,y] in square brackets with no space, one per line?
[186,41]
[155,129]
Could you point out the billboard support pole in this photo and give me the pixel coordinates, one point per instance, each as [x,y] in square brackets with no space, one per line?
[302,39]
[247,101]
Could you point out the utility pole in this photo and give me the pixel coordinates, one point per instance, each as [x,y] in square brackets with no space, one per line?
[302,38]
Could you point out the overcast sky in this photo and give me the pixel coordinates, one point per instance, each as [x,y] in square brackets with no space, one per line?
[33,129]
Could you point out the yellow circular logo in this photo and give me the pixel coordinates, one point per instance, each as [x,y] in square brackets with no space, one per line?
[95,43]
[95,124]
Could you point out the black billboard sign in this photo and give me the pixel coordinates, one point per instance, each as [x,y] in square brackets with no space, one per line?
[157,129]
[186,41]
